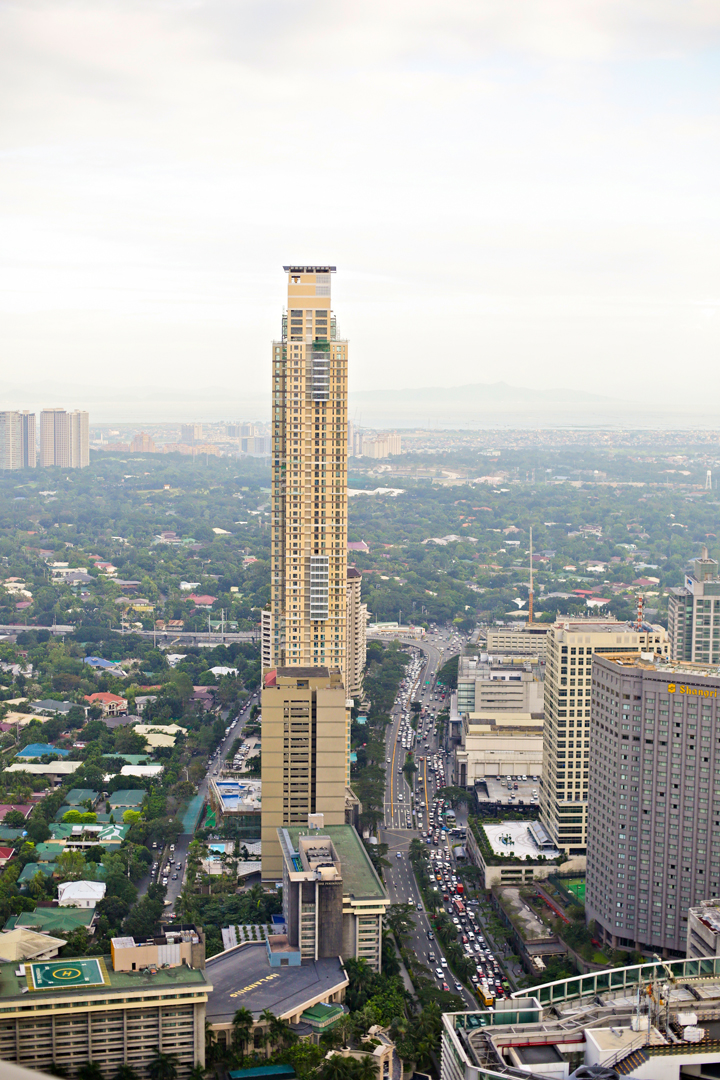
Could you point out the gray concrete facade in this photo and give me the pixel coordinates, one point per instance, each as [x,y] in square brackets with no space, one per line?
[653,800]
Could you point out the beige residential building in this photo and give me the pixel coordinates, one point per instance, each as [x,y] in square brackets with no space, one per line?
[64,439]
[571,645]
[54,447]
[305,749]
[381,446]
[527,640]
[309,479]
[357,620]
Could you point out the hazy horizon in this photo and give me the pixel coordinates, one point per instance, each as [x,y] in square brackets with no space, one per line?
[519,194]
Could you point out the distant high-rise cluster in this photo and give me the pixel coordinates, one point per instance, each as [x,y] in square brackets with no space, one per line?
[64,439]
[371,445]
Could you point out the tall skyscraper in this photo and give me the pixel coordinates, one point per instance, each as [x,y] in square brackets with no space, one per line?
[64,438]
[309,478]
[694,614]
[17,440]
[571,645]
[654,808]
[305,719]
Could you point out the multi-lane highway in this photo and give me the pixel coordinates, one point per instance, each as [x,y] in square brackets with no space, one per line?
[405,821]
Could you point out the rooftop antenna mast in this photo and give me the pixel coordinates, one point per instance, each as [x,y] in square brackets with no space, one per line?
[532,594]
[640,608]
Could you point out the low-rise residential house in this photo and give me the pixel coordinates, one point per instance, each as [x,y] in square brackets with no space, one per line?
[111,704]
[81,894]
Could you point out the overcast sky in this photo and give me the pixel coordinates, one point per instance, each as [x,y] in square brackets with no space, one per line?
[523,190]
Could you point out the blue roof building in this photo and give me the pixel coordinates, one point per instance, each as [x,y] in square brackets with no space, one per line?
[38,749]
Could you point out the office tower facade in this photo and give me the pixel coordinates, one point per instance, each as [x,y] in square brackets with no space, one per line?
[64,438]
[564,784]
[17,440]
[304,754]
[694,614]
[357,620]
[654,800]
[309,478]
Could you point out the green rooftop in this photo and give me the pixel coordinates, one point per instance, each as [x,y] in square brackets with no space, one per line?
[48,852]
[322,1016]
[29,871]
[8,834]
[77,796]
[98,833]
[358,874]
[16,986]
[51,920]
[128,798]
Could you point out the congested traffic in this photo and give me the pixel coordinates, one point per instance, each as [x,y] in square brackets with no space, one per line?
[414,803]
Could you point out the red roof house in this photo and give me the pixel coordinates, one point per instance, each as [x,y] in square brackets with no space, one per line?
[111,704]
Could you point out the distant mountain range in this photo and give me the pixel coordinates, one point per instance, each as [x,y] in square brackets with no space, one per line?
[473,405]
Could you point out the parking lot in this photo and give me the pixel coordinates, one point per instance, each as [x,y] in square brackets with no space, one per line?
[518,792]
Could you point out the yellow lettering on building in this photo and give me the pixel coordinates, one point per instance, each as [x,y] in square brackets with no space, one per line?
[692,690]
[253,986]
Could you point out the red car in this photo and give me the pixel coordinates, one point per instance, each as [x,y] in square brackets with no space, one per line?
[445,987]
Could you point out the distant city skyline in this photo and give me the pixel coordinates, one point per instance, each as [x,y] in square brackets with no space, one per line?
[532,198]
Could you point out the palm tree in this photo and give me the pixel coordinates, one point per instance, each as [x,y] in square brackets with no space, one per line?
[125,1072]
[281,1032]
[335,1067]
[196,1073]
[365,1068]
[163,1066]
[242,1026]
[343,1026]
